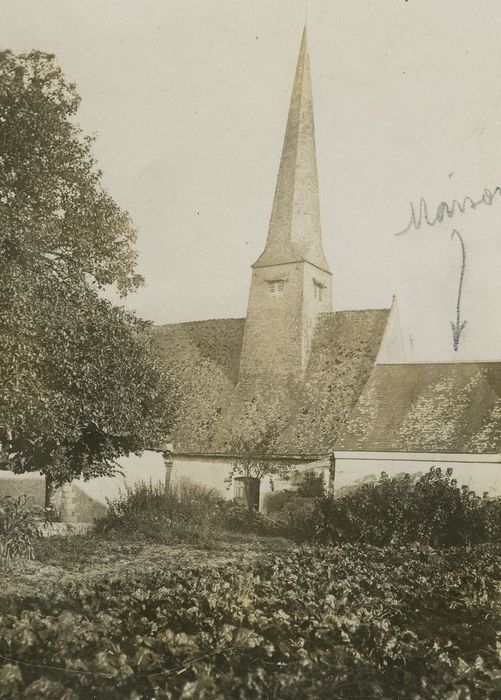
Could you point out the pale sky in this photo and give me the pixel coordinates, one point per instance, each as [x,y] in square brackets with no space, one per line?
[189,99]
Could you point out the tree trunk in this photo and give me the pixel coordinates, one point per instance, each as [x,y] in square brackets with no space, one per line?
[49,492]
[332,474]
[248,496]
[251,488]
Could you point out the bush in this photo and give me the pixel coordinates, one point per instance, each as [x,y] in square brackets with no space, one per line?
[276,500]
[298,512]
[19,528]
[311,485]
[430,509]
[345,622]
[185,513]
[238,518]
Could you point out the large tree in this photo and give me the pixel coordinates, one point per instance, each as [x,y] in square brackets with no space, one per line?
[79,383]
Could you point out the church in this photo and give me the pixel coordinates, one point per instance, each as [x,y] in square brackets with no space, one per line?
[336,381]
[335,384]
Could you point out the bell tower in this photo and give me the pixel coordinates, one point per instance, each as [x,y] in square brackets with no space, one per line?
[291,281]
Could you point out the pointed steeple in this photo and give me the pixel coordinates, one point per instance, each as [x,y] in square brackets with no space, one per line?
[294,233]
[291,283]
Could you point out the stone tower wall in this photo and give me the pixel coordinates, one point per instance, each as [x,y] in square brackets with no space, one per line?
[272,340]
[312,305]
[280,322]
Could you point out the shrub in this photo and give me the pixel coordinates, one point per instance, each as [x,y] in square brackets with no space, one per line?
[298,513]
[276,500]
[238,518]
[311,485]
[19,528]
[431,509]
[185,513]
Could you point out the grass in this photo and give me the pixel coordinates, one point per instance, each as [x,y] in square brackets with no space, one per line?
[66,560]
[188,513]
[145,527]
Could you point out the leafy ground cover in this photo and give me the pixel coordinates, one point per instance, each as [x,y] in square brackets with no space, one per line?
[395,594]
[253,618]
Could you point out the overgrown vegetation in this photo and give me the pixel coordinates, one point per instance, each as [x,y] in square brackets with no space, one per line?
[284,503]
[311,485]
[345,622]
[238,518]
[381,613]
[187,512]
[431,510]
[19,528]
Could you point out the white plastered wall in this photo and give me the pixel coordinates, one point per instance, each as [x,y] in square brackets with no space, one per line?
[148,468]
[391,350]
[212,472]
[480,472]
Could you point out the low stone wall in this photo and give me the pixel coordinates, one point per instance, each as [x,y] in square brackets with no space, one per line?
[65,529]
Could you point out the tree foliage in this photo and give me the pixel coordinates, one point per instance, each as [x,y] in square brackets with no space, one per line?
[252,443]
[79,386]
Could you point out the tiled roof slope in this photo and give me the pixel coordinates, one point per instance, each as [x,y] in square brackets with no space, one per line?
[204,358]
[342,356]
[450,408]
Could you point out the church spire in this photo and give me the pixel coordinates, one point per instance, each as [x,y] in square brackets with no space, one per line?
[291,283]
[294,233]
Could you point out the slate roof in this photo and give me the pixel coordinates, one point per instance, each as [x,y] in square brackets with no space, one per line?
[294,233]
[204,359]
[437,408]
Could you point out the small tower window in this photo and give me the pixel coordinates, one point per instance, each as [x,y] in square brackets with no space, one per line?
[318,290]
[276,286]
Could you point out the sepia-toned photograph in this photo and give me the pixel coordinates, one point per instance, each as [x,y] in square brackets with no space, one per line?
[250,350]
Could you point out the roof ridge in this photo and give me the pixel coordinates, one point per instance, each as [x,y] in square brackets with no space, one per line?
[453,363]
[203,320]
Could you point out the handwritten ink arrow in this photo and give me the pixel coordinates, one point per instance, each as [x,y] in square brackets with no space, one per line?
[457,328]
